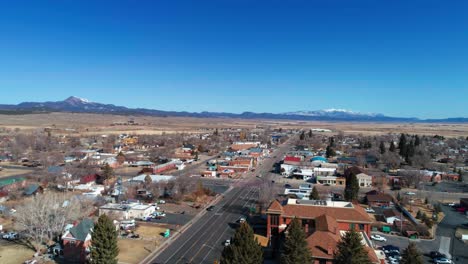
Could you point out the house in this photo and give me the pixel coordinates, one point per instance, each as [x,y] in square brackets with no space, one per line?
[391,216]
[331,180]
[379,200]
[90,178]
[33,189]
[127,211]
[292,160]
[76,242]
[364,180]
[324,223]
[154,178]
[12,183]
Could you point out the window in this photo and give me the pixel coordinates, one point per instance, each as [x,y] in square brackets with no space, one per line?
[274,220]
[361,227]
[351,226]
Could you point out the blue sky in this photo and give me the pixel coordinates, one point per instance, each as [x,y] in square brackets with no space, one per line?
[400,58]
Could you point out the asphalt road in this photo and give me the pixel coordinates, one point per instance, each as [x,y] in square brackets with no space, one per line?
[202,241]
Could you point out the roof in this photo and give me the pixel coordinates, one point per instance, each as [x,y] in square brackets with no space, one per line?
[31,189]
[390,213]
[353,214]
[326,223]
[6,182]
[319,243]
[319,158]
[81,231]
[381,197]
[292,159]
[275,206]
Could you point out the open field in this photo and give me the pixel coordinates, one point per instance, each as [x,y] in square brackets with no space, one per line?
[96,124]
[11,253]
[133,251]
[7,172]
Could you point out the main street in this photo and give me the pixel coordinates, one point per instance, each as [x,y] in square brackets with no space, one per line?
[202,241]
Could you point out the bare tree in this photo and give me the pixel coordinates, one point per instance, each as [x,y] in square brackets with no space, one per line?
[44,217]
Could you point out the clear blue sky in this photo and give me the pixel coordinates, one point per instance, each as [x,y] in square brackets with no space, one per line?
[392,57]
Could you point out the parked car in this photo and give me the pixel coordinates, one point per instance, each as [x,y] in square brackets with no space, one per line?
[442,261]
[451,204]
[162,201]
[390,248]
[410,193]
[379,238]
[210,208]
[227,242]
[436,254]
[241,220]
[10,236]
[287,185]
[370,210]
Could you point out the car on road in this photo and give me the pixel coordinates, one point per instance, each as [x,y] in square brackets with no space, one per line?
[379,238]
[210,208]
[162,201]
[227,242]
[370,210]
[442,261]
[451,204]
[10,236]
[241,220]
[287,185]
[394,261]
[410,193]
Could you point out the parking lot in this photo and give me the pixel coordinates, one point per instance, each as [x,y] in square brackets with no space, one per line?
[453,219]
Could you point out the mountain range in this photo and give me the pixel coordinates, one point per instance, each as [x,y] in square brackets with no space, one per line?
[79,105]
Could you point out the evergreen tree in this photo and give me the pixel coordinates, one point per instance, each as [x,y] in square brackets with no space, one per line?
[148,181]
[107,172]
[402,145]
[330,152]
[460,175]
[392,147]
[314,195]
[216,132]
[296,250]
[104,249]
[350,250]
[302,136]
[398,197]
[244,248]
[417,140]
[382,147]
[332,142]
[310,133]
[411,255]
[352,188]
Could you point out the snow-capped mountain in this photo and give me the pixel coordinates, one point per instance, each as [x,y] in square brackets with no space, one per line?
[334,113]
[79,105]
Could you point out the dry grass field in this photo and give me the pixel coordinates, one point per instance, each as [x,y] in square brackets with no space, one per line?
[11,253]
[95,124]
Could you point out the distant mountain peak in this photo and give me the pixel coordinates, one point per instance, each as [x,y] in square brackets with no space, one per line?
[76,100]
[334,112]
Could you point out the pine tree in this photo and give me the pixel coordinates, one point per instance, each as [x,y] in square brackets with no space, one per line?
[296,250]
[460,175]
[302,136]
[382,147]
[417,140]
[350,250]
[107,172]
[330,152]
[244,248]
[411,255]
[332,142]
[392,147]
[104,249]
[314,195]
[402,145]
[310,133]
[352,188]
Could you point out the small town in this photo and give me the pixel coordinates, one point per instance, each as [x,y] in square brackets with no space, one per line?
[184,197]
[233,132]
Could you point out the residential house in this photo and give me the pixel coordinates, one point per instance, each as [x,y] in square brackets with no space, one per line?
[391,216]
[76,242]
[379,200]
[331,180]
[33,189]
[12,183]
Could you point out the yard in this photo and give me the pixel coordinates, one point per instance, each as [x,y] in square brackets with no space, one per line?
[11,253]
[135,250]
[8,172]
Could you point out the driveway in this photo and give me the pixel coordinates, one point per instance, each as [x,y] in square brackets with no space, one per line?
[447,227]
